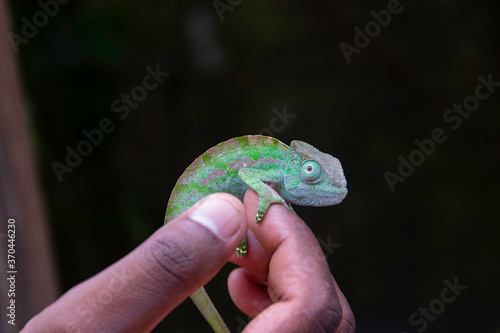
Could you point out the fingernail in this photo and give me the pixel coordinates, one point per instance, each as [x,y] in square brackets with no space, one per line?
[218,216]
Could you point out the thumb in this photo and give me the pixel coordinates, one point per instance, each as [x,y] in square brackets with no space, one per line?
[188,251]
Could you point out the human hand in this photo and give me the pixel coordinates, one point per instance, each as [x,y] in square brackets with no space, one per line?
[137,292]
[284,282]
[134,294]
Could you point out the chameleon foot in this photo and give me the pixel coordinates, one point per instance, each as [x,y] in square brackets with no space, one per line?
[265,200]
[259,218]
[241,250]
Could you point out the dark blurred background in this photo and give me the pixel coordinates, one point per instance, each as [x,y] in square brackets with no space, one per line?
[230,66]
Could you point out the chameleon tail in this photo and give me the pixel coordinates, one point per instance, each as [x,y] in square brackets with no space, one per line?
[207,308]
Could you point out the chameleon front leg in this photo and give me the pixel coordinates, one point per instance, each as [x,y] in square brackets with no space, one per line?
[208,310]
[253,178]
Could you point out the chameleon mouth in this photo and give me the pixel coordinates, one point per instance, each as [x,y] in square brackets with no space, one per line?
[336,196]
[341,192]
[328,197]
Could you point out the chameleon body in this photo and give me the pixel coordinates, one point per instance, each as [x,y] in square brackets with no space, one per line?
[301,174]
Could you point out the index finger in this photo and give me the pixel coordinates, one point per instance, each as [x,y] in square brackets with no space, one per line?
[294,251]
[300,285]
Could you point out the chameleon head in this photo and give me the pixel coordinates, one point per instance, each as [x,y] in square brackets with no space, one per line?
[313,178]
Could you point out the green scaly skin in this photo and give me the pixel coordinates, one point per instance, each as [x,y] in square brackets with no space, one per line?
[300,174]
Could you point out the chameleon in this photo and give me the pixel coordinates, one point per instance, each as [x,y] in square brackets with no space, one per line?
[299,173]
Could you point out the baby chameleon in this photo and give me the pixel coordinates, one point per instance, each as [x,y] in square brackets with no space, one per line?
[300,174]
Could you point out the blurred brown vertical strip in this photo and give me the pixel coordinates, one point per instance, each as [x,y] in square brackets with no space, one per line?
[20,197]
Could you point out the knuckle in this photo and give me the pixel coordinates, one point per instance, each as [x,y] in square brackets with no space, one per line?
[325,312]
[167,261]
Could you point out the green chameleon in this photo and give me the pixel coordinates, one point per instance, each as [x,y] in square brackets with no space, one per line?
[301,174]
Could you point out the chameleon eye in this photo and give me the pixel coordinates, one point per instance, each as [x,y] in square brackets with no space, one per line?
[310,172]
